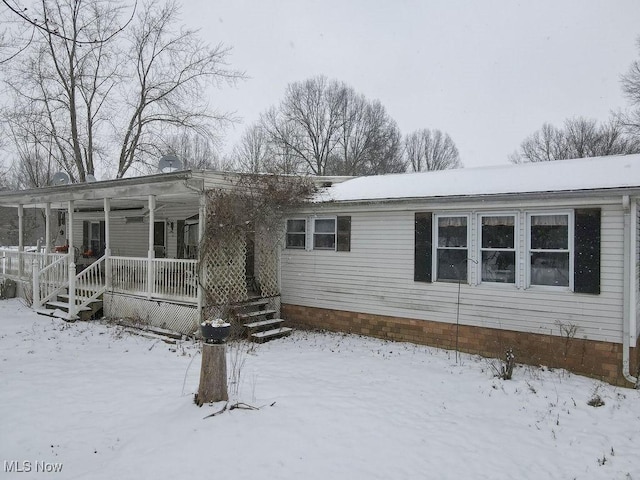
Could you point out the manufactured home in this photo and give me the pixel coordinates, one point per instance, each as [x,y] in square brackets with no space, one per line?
[539,258]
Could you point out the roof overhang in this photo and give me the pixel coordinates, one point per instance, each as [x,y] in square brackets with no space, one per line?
[169,187]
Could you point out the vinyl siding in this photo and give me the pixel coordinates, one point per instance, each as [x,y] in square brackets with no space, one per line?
[129,239]
[377,277]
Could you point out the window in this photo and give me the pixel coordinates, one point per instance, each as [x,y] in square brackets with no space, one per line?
[93,238]
[296,233]
[324,234]
[451,248]
[550,249]
[498,248]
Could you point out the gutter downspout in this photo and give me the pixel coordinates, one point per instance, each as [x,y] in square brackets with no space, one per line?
[626,296]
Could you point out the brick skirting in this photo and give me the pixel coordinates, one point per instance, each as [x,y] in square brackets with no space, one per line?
[602,360]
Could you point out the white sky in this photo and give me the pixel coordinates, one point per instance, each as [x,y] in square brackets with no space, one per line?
[487,72]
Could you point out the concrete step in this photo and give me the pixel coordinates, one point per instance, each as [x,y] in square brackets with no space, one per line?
[263,323]
[267,335]
[64,306]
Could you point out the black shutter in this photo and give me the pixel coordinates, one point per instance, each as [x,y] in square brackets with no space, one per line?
[344,234]
[180,253]
[586,260]
[85,236]
[422,259]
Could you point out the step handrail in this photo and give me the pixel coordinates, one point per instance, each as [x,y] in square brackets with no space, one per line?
[54,278]
[89,285]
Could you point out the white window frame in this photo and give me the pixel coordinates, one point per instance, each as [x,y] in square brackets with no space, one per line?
[570,249]
[335,233]
[435,248]
[304,235]
[516,248]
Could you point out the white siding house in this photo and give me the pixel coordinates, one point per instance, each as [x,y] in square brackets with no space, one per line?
[515,255]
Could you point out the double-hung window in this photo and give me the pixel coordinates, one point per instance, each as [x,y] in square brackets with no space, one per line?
[296,233]
[550,243]
[451,248]
[324,233]
[498,248]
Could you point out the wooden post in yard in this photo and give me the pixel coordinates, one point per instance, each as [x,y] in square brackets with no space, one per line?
[213,374]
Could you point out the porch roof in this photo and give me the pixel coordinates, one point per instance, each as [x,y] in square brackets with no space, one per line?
[175,187]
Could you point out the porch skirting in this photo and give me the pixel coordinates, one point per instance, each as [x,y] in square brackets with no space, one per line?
[602,360]
[179,317]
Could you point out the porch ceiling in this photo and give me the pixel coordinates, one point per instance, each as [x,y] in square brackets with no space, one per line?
[169,188]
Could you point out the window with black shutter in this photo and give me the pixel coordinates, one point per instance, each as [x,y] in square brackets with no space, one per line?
[344,234]
[423,247]
[586,260]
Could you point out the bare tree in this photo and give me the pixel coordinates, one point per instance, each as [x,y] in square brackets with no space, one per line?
[171,69]
[253,153]
[307,121]
[369,141]
[631,89]
[579,138]
[323,127]
[428,150]
[96,93]
[195,151]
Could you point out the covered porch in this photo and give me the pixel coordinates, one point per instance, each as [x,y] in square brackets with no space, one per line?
[127,243]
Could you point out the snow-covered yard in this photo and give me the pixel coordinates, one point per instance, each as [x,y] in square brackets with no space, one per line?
[106,404]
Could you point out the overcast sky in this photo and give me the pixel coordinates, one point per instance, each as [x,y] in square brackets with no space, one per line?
[489,73]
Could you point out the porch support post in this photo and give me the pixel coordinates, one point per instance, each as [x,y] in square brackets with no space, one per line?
[151,254]
[202,211]
[72,262]
[47,229]
[35,272]
[107,244]
[20,240]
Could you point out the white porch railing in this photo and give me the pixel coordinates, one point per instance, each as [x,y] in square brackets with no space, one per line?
[175,278]
[89,284]
[50,280]
[171,279]
[16,264]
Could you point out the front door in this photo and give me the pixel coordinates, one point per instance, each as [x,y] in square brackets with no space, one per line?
[159,239]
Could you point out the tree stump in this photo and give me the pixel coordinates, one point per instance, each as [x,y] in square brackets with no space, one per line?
[213,374]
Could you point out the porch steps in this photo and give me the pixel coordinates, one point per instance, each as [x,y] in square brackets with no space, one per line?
[254,314]
[266,335]
[59,308]
[259,321]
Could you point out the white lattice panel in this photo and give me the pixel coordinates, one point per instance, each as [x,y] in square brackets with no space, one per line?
[172,316]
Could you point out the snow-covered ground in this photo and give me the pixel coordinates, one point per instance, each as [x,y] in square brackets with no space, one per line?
[106,404]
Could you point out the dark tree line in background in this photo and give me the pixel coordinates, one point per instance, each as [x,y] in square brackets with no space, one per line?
[324,127]
[92,83]
[580,137]
[97,82]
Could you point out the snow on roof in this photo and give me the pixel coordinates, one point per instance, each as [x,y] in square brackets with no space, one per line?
[565,175]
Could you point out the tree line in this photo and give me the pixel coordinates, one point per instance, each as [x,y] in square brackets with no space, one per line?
[581,137]
[324,127]
[92,83]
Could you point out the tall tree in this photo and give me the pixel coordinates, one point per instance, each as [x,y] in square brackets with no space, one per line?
[323,127]
[428,150]
[97,93]
[631,89]
[579,138]
[307,121]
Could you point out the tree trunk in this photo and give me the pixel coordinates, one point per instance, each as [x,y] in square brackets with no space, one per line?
[213,374]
